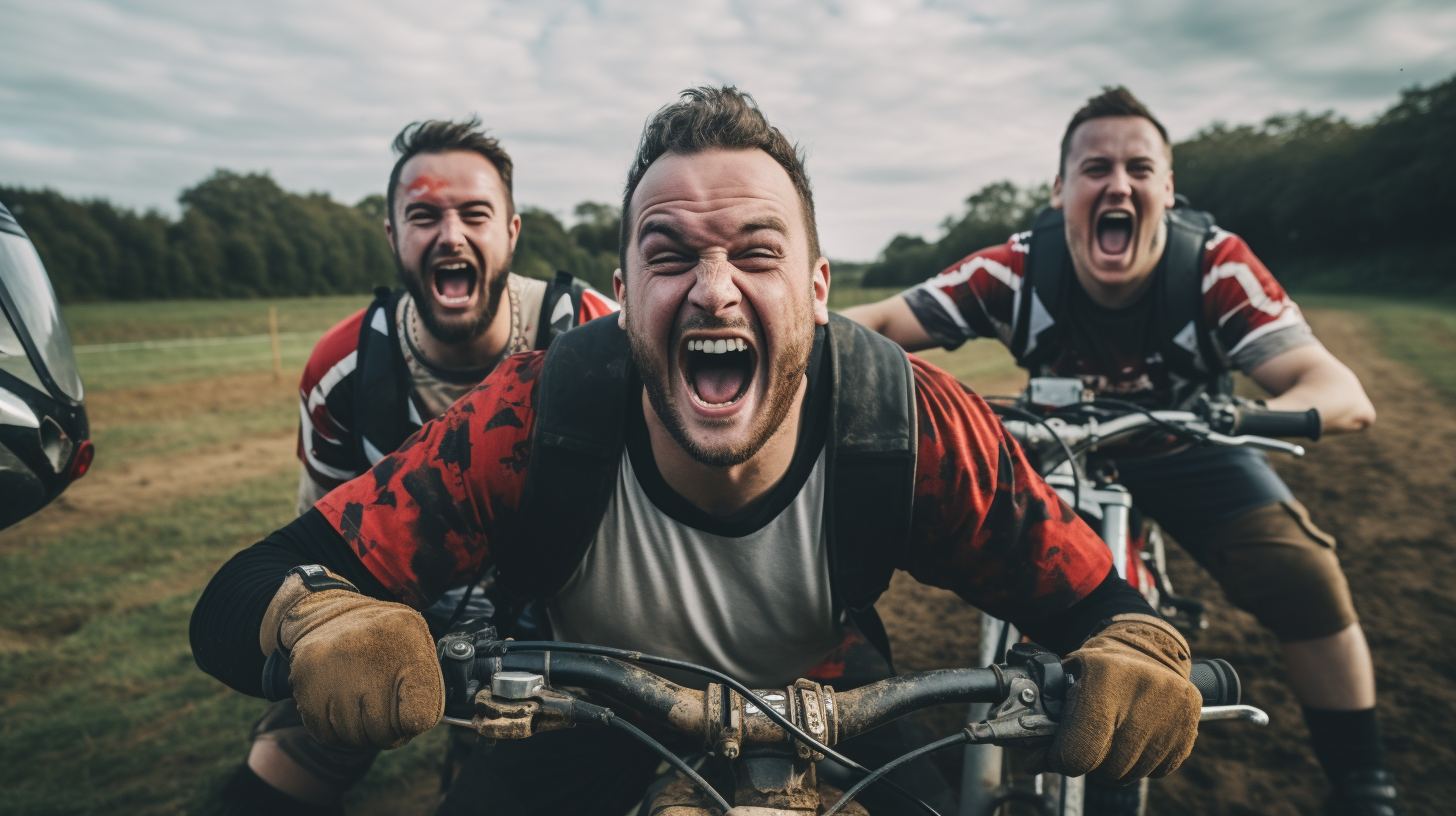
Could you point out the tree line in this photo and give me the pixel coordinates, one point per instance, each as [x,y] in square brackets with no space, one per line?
[242,236]
[1327,203]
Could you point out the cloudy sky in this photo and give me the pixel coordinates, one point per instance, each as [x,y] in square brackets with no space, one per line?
[905,106]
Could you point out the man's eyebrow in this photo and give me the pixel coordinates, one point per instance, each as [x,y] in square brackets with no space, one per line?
[771,222]
[661,227]
[463,206]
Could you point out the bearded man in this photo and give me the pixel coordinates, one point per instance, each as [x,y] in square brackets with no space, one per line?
[723,473]
[377,376]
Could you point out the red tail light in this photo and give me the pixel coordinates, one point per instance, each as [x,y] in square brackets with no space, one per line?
[82,462]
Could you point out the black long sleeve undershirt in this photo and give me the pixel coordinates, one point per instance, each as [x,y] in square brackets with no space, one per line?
[1065,631]
[225,624]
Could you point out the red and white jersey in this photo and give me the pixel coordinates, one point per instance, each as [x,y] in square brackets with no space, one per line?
[326,444]
[1114,351]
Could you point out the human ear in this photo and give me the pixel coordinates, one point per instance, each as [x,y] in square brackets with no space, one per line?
[819,280]
[514,230]
[1056,202]
[619,289]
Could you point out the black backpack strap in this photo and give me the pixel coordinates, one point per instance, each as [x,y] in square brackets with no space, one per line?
[1188,346]
[1041,300]
[381,383]
[871,467]
[560,308]
[576,448]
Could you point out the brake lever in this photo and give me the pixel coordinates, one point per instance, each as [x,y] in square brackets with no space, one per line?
[1234,712]
[1256,442]
[1020,721]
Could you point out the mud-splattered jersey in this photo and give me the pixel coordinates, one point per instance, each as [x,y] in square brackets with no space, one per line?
[1116,351]
[985,525]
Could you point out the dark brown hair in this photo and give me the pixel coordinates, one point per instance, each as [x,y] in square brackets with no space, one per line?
[1113,101]
[706,118]
[443,136]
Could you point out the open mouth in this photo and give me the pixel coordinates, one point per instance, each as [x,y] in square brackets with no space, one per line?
[454,283]
[719,370]
[1114,232]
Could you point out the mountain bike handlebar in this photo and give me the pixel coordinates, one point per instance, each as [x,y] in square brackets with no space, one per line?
[509,690]
[1086,432]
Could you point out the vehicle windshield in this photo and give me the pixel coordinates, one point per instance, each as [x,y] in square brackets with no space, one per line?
[23,276]
[13,359]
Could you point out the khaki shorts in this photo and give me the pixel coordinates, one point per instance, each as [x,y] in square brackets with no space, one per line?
[1274,563]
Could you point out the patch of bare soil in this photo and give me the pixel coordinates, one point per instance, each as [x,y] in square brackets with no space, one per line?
[109,491]
[1389,496]
[147,483]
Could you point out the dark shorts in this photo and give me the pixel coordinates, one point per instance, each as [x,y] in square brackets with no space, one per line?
[1193,493]
[1229,510]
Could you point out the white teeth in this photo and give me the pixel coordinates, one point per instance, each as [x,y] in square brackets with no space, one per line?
[718,346]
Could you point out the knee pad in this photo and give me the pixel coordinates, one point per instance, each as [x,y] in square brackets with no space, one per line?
[1274,563]
[339,766]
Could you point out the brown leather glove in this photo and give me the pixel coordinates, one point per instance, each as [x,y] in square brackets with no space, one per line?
[1133,712]
[364,672]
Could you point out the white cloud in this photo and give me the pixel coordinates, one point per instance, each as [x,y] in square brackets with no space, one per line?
[906,106]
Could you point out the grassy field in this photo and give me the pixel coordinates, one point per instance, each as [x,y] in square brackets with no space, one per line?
[1420,334]
[101,708]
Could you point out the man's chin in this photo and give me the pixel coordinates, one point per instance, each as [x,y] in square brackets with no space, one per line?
[454,329]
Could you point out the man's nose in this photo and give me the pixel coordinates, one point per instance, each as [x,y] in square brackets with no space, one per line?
[714,291]
[1119,183]
[452,231]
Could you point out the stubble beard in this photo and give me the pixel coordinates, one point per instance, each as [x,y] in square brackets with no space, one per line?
[786,373]
[455,332]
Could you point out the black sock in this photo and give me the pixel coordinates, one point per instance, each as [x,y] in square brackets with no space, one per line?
[1345,741]
[247,793]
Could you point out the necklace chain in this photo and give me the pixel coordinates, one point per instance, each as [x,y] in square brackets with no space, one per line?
[515,344]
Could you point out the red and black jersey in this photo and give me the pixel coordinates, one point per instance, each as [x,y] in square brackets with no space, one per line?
[327,444]
[985,525]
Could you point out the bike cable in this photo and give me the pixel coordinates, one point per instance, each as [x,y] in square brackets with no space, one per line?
[1133,408]
[674,760]
[747,694]
[958,738]
[1066,450]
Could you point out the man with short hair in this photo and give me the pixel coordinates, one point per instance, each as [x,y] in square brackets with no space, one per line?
[1093,292]
[688,478]
[380,374]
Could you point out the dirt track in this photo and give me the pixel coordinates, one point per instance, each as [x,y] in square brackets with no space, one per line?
[1389,496]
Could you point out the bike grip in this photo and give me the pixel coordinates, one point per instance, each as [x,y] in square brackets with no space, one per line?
[275,677]
[1263,422]
[1217,681]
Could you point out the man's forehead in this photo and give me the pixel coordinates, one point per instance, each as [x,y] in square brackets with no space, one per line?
[455,174]
[1118,136]
[717,186]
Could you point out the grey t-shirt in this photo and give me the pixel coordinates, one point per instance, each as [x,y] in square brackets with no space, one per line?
[755,606]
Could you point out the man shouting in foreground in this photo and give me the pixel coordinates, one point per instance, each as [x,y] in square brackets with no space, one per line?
[722,473]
